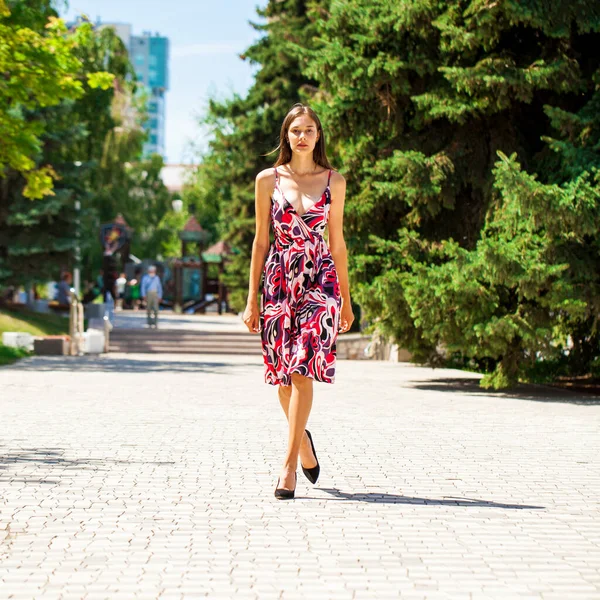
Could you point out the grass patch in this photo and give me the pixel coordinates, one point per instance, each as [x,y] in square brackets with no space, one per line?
[27,321]
[11,355]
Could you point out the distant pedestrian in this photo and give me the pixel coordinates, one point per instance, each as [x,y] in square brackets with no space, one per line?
[63,289]
[133,289]
[120,284]
[152,294]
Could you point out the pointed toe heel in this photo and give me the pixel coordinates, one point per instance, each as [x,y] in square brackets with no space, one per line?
[312,474]
[284,494]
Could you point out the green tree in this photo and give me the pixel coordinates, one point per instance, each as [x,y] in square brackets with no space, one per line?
[39,69]
[74,134]
[168,242]
[200,197]
[421,98]
[112,138]
[146,208]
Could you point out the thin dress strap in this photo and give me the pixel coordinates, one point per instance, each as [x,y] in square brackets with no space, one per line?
[281,196]
[329,178]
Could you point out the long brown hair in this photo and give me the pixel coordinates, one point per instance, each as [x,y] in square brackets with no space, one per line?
[285,151]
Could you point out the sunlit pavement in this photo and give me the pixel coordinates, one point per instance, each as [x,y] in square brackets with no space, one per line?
[147,476]
[213,322]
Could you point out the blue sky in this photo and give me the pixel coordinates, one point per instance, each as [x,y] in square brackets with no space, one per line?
[205,40]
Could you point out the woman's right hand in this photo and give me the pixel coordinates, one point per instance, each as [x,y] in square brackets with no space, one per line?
[250,317]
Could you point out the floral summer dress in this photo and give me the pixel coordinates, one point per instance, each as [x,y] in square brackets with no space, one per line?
[300,301]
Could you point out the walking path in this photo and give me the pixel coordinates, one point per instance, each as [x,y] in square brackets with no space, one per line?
[152,476]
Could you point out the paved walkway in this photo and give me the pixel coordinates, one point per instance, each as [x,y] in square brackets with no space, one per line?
[137,477]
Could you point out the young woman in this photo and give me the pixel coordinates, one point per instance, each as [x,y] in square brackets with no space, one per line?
[305,298]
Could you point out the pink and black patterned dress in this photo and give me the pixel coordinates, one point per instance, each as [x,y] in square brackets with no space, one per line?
[300,301]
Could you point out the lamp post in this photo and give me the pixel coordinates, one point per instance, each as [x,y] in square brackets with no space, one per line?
[76,270]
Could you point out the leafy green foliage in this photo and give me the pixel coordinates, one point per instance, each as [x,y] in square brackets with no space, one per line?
[167,239]
[10,355]
[82,140]
[454,252]
[39,69]
[469,135]
[146,207]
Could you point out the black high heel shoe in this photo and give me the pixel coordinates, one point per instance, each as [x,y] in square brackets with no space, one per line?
[312,474]
[282,493]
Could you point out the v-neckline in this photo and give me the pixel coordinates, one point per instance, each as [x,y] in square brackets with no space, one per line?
[292,206]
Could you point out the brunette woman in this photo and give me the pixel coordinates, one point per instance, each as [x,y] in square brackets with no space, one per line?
[305,299]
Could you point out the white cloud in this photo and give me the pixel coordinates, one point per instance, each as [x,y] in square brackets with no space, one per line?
[204,49]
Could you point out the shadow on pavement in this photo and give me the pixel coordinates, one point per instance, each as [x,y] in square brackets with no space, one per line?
[53,457]
[126,365]
[382,498]
[537,393]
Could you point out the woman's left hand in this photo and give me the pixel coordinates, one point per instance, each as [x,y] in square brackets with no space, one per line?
[346,317]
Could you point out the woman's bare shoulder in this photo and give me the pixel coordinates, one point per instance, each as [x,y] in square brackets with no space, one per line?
[337,177]
[266,175]
[338,181]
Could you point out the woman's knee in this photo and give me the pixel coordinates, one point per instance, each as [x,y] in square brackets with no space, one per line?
[301,380]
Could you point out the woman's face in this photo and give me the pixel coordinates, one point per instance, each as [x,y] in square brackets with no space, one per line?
[302,134]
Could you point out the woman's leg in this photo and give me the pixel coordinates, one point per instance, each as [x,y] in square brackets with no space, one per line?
[298,411]
[306,454]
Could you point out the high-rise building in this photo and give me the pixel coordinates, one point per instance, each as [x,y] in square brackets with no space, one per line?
[150,57]
[149,54]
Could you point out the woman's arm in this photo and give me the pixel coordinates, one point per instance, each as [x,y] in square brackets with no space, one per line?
[263,189]
[337,246]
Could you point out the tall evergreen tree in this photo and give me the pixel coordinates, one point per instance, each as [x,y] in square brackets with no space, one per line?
[421,97]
